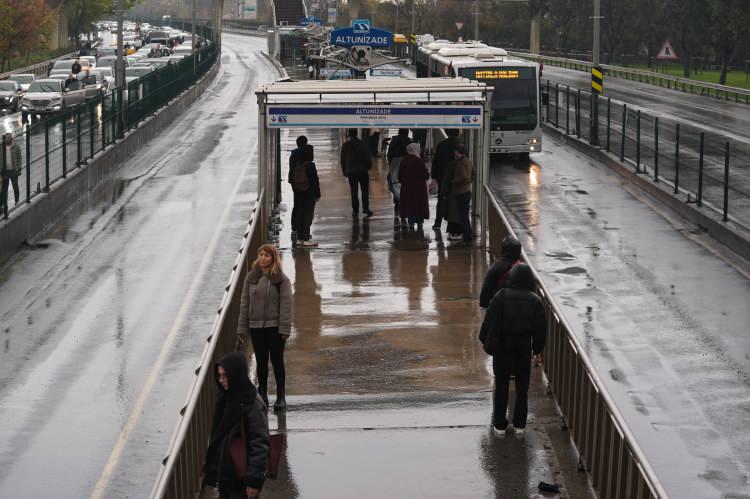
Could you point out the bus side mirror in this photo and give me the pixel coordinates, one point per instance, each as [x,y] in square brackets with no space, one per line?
[545,98]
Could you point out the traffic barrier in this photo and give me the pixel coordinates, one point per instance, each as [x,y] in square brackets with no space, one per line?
[182,468]
[662,80]
[656,147]
[608,450]
[74,136]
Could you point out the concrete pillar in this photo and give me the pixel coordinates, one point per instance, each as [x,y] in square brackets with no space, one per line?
[535,45]
[353,9]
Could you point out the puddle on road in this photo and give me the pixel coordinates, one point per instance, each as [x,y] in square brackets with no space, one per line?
[560,255]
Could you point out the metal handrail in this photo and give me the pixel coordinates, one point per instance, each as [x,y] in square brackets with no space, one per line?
[181,471]
[615,70]
[580,403]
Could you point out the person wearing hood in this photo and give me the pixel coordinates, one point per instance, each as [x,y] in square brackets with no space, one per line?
[266,317]
[497,275]
[413,175]
[396,153]
[238,411]
[514,329]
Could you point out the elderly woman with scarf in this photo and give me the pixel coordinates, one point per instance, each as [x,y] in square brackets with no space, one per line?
[413,176]
[239,413]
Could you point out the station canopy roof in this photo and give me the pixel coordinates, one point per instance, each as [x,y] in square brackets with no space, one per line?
[381,91]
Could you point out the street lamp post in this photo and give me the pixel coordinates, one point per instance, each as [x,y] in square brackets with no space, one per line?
[476,20]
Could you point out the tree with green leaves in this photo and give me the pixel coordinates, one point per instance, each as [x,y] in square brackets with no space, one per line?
[731,21]
[24,26]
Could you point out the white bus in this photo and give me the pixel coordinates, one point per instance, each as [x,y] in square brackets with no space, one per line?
[515,124]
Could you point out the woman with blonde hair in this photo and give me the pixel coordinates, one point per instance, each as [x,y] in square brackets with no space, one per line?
[266,316]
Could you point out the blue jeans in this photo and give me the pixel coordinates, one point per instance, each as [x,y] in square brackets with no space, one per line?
[463,202]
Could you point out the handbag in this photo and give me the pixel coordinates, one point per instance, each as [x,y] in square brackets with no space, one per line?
[238,450]
[274,454]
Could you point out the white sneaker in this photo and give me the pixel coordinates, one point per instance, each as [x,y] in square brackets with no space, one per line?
[309,244]
[519,431]
[498,432]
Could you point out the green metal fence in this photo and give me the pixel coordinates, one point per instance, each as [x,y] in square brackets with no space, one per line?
[56,144]
[698,163]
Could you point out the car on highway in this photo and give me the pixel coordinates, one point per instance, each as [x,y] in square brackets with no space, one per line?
[49,96]
[105,74]
[23,79]
[160,37]
[183,50]
[139,71]
[67,64]
[90,58]
[104,52]
[10,95]
[157,63]
[107,61]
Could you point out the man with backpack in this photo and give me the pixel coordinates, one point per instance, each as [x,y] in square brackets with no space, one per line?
[355,162]
[497,276]
[301,143]
[306,187]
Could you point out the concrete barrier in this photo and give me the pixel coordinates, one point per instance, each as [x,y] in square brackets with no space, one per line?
[729,234]
[93,183]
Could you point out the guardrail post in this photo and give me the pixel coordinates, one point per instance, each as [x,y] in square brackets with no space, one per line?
[567,111]
[64,125]
[103,126]
[677,159]
[638,141]
[78,136]
[4,195]
[578,113]
[547,100]
[46,153]
[557,105]
[656,149]
[624,127]
[700,169]
[91,128]
[726,182]
[113,117]
[28,162]
[609,120]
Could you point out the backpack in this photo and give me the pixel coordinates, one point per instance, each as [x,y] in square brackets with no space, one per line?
[300,182]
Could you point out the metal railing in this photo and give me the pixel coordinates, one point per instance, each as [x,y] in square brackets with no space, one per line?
[54,146]
[663,80]
[695,162]
[608,450]
[181,471]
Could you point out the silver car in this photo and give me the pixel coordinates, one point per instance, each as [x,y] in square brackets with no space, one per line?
[52,96]
[23,79]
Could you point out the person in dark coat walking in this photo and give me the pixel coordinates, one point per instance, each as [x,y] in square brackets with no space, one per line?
[396,153]
[497,275]
[76,67]
[237,404]
[301,143]
[355,163]
[514,328]
[413,175]
[306,187]
[444,156]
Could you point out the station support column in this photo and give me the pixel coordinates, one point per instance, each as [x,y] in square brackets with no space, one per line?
[484,169]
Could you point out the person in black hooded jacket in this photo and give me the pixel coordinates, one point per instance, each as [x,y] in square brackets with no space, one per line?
[497,275]
[514,328]
[237,402]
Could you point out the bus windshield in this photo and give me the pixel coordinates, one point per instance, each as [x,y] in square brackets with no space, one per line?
[514,98]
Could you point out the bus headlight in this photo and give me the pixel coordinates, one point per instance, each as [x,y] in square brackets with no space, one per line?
[533,140]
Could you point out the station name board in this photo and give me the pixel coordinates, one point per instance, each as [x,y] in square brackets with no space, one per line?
[347,38]
[406,116]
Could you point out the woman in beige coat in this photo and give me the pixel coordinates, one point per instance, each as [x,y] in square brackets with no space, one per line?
[266,316]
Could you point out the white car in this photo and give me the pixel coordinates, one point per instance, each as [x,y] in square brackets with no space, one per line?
[24,80]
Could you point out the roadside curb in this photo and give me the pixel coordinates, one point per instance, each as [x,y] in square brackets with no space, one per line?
[729,234]
[94,182]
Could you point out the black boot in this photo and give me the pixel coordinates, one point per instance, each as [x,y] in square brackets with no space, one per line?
[280,404]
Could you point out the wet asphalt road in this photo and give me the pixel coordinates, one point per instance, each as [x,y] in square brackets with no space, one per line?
[720,121]
[120,290]
[662,315]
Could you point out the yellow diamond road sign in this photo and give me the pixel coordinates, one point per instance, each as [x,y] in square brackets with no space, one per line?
[597,79]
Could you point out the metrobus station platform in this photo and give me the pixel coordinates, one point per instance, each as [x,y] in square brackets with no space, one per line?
[389,392]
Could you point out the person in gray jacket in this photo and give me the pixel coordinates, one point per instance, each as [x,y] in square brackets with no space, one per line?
[266,316]
[12,167]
